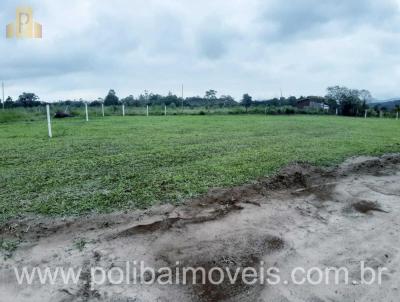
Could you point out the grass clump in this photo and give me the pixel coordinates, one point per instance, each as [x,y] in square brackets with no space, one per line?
[8,247]
[80,244]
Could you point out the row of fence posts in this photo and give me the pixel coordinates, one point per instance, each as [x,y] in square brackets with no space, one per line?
[380,114]
[87,114]
[123,111]
[366,114]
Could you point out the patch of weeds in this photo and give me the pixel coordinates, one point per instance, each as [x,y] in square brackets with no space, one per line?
[8,247]
[80,244]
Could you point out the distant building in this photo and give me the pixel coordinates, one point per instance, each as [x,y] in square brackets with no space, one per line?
[310,104]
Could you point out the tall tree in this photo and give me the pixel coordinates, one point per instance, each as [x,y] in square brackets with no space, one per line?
[28,99]
[365,96]
[246,101]
[211,94]
[111,98]
[9,102]
[211,97]
[347,99]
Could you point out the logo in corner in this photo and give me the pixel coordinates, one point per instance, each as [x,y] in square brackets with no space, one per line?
[24,26]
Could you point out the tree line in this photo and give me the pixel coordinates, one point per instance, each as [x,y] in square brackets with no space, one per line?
[343,100]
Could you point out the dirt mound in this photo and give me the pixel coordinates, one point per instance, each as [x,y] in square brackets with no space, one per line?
[297,175]
[370,165]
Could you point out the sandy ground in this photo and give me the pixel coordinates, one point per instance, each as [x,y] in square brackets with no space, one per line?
[304,216]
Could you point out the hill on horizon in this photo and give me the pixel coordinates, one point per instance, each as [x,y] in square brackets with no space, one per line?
[389,104]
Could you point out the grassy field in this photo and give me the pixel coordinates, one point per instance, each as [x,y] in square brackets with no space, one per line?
[132,162]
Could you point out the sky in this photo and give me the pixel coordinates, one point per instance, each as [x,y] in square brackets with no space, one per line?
[260,47]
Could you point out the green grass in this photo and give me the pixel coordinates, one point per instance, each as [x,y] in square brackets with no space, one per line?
[22,114]
[117,163]
[8,247]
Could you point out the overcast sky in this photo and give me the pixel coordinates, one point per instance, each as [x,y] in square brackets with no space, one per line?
[232,46]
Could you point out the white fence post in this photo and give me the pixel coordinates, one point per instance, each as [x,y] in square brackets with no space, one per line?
[397,115]
[49,120]
[87,114]
[123,109]
[165,110]
[337,111]
[147,110]
[102,109]
[365,115]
